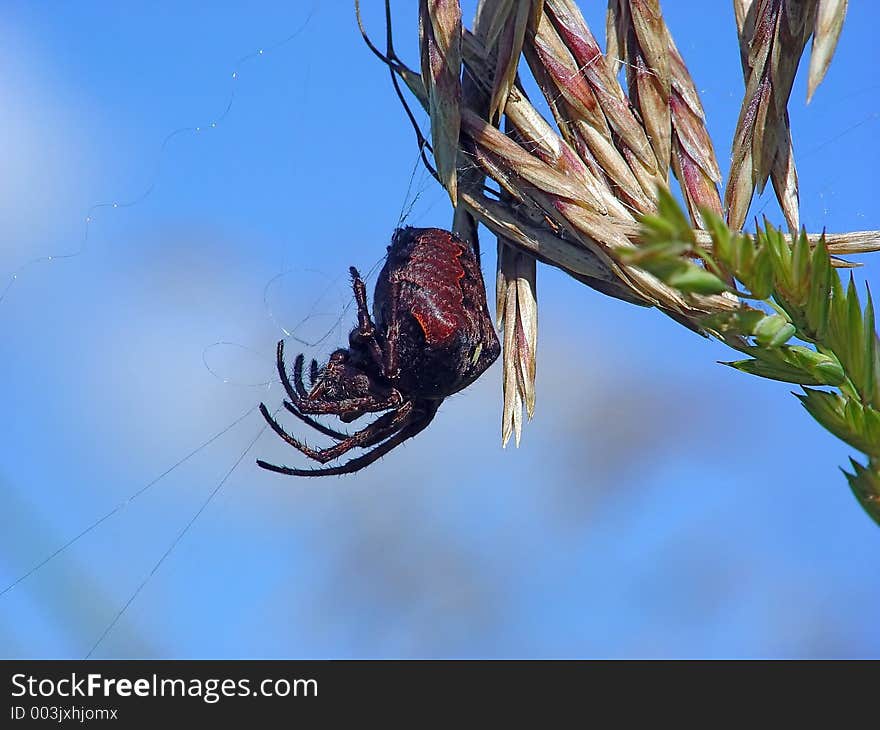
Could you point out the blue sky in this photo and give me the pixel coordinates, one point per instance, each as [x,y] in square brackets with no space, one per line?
[660,504]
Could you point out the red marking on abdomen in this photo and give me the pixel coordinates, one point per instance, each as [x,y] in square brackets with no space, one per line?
[437,308]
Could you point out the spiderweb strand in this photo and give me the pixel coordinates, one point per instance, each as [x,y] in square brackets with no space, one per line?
[154,179]
[122,505]
[292,332]
[175,542]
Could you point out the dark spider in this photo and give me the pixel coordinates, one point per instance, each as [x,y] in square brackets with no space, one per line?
[432,336]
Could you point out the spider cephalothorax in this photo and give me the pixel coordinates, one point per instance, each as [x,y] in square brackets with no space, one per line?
[429,337]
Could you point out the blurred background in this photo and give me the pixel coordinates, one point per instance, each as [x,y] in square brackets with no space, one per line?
[660,505]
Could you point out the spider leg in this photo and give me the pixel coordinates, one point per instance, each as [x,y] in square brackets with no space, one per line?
[296,390]
[365,323]
[298,376]
[338,435]
[285,378]
[381,428]
[390,359]
[349,408]
[418,421]
[366,330]
[313,373]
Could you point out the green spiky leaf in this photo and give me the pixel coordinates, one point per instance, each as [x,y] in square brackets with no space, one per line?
[865,485]
[760,282]
[741,322]
[810,303]
[694,280]
[774,331]
[818,298]
[774,371]
[849,420]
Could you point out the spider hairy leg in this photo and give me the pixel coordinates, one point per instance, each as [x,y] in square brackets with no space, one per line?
[370,435]
[366,330]
[365,323]
[304,402]
[320,427]
[408,431]
[283,376]
[298,376]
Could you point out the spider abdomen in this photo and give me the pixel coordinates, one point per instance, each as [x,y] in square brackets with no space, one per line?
[430,301]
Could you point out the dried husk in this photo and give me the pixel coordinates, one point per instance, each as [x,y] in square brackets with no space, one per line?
[773,34]
[829,23]
[440,44]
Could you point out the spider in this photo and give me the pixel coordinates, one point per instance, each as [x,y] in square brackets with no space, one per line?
[430,336]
